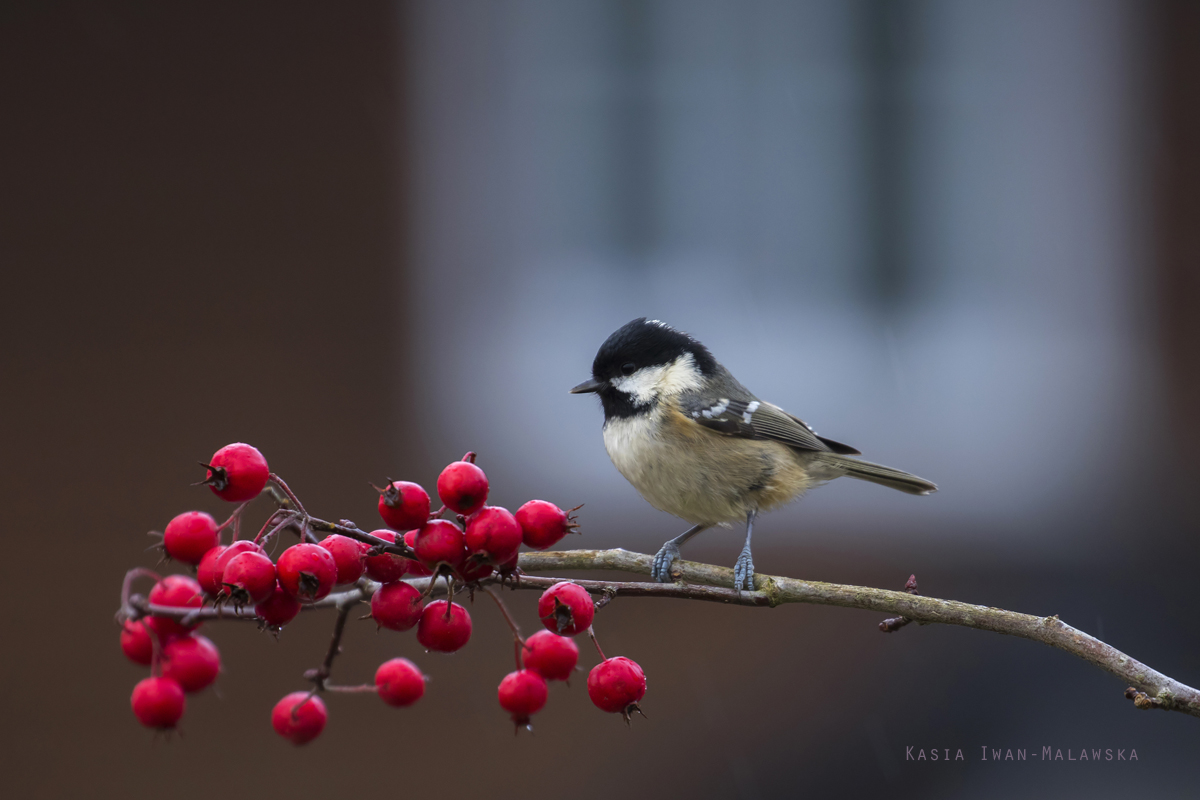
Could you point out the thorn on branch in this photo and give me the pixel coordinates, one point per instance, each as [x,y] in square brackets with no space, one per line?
[893,624]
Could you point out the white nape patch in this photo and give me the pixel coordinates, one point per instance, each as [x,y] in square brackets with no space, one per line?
[648,383]
[750,409]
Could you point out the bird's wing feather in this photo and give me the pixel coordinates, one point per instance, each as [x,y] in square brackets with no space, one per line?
[755,419]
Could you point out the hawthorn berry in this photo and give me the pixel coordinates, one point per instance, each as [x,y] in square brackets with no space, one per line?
[189,536]
[348,554]
[566,608]
[552,656]
[191,661]
[136,642]
[440,542]
[617,684]
[403,505]
[237,472]
[206,571]
[179,591]
[158,702]
[212,566]
[522,694]
[509,566]
[473,570]
[307,571]
[444,627]
[543,524]
[386,567]
[399,682]
[492,534]
[415,568]
[463,487]
[279,609]
[299,717]
[396,606]
[248,577]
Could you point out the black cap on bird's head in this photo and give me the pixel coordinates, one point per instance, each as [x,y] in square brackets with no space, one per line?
[639,344]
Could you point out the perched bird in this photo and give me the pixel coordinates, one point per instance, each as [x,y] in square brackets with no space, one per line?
[697,444]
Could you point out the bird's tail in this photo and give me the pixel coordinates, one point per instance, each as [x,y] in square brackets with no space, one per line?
[877,473]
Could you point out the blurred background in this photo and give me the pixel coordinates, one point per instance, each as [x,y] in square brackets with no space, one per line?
[962,237]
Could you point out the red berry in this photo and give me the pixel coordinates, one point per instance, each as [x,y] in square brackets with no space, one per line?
[158,702]
[386,567]
[542,524]
[440,542]
[179,591]
[404,505]
[212,566]
[566,608]
[522,694]
[279,609]
[552,656]
[442,630]
[617,684]
[237,472]
[189,536]
[348,554]
[463,487]
[191,661]
[307,571]
[493,534]
[396,606]
[249,578]
[399,682]
[473,570]
[136,642]
[415,568]
[510,565]
[299,717]
[206,572]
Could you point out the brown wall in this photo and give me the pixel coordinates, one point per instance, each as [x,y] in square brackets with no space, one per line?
[201,238]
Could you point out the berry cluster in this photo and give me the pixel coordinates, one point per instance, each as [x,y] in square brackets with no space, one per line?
[396,568]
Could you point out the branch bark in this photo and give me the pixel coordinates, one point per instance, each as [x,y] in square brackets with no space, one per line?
[1160,690]
[1148,688]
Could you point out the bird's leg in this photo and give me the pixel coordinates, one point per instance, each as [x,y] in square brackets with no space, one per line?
[661,571]
[743,570]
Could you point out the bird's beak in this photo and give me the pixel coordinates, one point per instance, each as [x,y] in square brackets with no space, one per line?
[587,387]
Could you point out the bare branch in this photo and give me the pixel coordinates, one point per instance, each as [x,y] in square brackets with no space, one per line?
[1169,693]
[1148,688]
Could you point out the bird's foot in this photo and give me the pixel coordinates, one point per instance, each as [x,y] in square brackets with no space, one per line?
[743,572]
[661,569]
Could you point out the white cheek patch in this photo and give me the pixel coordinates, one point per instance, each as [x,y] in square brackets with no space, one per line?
[641,386]
[671,379]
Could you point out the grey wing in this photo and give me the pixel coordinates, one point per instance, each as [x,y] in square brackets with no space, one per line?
[755,419]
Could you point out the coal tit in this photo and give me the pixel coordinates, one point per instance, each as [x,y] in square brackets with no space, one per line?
[697,444]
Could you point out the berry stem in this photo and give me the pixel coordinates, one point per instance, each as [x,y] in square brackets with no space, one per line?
[592,634]
[282,518]
[365,688]
[283,487]
[518,642]
[321,674]
[127,584]
[236,519]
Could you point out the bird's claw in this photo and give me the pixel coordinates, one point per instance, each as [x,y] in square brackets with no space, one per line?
[663,561]
[743,572]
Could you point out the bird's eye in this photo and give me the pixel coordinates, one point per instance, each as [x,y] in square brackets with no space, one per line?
[628,368]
